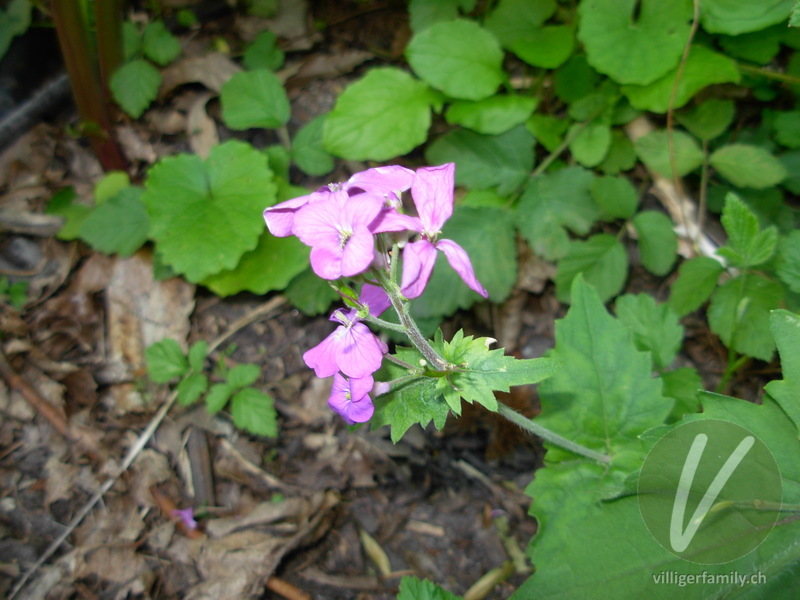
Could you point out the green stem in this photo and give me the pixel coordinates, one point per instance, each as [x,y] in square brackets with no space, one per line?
[402,380]
[385,324]
[734,362]
[547,435]
[401,363]
[768,73]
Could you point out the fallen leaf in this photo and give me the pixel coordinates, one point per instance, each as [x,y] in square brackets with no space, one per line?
[201,129]
[212,71]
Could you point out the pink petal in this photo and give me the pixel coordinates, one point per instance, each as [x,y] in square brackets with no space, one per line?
[360,352]
[432,191]
[347,400]
[326,263]
[318,222]
[322,357]
[280,218]
[384,181]
[418,260]
[391,220]
[375,298]
[357,253]
[459,260]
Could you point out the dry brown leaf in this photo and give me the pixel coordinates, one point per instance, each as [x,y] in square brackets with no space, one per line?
[149,469]
[329,66]
[168,121]
[134,146]
[201,129]
[212,71]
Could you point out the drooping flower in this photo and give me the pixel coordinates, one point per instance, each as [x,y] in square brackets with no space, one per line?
[350,398]
[432,191]
[186,516]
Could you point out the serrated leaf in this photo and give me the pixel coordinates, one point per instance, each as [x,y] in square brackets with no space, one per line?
[658,244]
[14,20]
[785,327]
[616,197]
[191,388]
[263,53]
[492,116]
[741,16]
[709,119]
[206,215]
[590,146]
[697,279]
[134,86]
[684,386]
[513,19]
[308,150]
[118,226]
[482,161]
[739,314]
[165,360]
[603,262]
[254,99]
[552,202]
[243,375]
[546,47]
[412,588]
[635,47]
[788,268]
[459,57]
[748,166]
[197,355]
[654,327]
[703,67]
[654,149]
[218,397]
[254,411]
[747,245]
[363,123]
[158,44]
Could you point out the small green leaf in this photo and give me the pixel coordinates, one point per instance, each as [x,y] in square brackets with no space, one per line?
[742,16]
[110,185]
[758,47]
[514,19]
[363,123]
[218,397]
[683,385]
[492,116]
[503,161]
[697,279]
[197,356]
[254,411]
[14,20]
[412,588]
[616,197]
[424,13]
[191,388]
[747,244]
[134,86]
[575,79]
[459,58]
[131,41]
[603,262]
[263,53]
[658,244]
[243,375]
[739,314]
[158,44]
[787,128]
[654,327]
[310,294]
[709,119]
[546,47]
[254,99]
[590,146]
[63,204]
[748,166]
[621,154]
[118,226]
[548,130]
[789,261]
[654,149]
[165,360]
[308,150]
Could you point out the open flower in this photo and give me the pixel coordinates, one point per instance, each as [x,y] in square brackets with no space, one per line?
[350,398]
[432,191]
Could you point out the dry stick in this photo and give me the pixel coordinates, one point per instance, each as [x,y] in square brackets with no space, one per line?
[134,451]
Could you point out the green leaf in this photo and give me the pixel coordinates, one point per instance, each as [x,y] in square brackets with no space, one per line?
[654,327]
[158,44]
[424,13]
[629,49]
[197,355]
[621,155]
[787,128]
[758,47]
[552,202]
[218,397]
[308,150]
[658,244]
[709,119]
[739,314]
[131,41]
[134,86]
[654,149]
[683,385]
[254,99]
[514,19]
[243,375]
[785,327]
[590,146]
[492,116]
[703,67]
[206,215]
[110,185]
[63,204]
[616,197]
[191,388]
[575,79]
[118,226]
[747,244]
[165,360]
[794,18]
[547,47]
[548,130]
[270,266]
[788,268]
[601,259]
[263,53]
[14,20]
[412,588]
[310,294]
[748,166]
[791,162]
[459,58]
[503,161]
[742,16]
[697,279]
[254,411]
[363,123]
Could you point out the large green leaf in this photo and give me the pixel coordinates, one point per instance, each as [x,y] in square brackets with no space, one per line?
[459,58]
[634,41]
[741,16]
[616,197]
[514,19]
[785,327]
[748,166]
[601,259]
[492,116]
[547,47]
[206,215]
[254,99]
[363,124]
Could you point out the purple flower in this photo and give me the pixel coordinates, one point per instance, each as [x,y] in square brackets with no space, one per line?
[389,182]
[186,516]
[432,191]
[280,218]
[352,348]
[350,398]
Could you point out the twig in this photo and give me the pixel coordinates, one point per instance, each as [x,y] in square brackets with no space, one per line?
[244,321]
[286,589]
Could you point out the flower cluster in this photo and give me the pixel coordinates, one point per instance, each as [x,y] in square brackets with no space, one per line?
[341,222]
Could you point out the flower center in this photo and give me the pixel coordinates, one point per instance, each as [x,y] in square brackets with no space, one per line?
[344,235]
